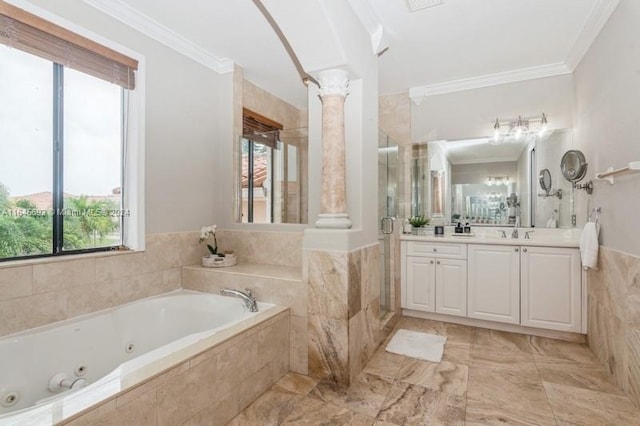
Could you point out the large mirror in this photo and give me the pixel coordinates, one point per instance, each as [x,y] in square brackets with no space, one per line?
[488,184]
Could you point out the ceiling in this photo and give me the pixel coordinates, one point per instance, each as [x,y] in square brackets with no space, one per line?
[459,39]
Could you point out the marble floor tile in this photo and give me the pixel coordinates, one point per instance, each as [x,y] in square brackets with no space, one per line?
[573,405]
[442,376]
[486,377]
[271,408]
[365,395]
[311,411]
[507,396]
[592,377]
[577,353]
[483,357]
[415,405]
[501,341]
[457,353]
[297,383]
[384,364]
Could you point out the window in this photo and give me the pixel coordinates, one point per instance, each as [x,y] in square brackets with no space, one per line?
[271,167]
[62,139]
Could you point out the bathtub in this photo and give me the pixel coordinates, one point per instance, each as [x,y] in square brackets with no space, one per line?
[109,351]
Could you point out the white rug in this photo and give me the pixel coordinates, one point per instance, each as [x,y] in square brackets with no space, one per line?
[425,346]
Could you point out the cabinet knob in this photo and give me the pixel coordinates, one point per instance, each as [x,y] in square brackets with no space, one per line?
[516,249]
[524,250]
[435,249]
[431,262]
[438,262]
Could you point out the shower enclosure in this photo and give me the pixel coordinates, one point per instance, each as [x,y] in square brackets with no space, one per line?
[389,165]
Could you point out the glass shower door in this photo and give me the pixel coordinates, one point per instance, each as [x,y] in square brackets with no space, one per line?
[388,173]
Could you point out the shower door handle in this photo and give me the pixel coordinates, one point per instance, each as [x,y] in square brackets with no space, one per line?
[386,225]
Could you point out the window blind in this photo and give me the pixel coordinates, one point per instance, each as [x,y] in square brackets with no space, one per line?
[260,129]
[22,30]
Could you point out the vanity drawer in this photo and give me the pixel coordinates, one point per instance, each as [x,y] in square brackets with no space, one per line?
[450,251]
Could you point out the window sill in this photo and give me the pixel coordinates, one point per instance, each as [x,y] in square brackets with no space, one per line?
[64,258]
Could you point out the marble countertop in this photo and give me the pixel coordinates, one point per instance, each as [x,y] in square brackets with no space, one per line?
[543,238]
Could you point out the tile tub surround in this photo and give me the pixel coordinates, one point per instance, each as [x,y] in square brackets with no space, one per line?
[277,284]
[41,291]
[552,382]
[207,389]
[266,248]
[614,317]
[344,311]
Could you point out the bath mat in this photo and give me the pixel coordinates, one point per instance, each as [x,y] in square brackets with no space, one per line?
[415,344]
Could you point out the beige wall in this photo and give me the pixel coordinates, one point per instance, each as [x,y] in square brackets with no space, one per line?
[265,103]
[470,113]
[607,94]
[607,116]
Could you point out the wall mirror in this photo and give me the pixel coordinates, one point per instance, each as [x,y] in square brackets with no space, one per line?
[489,184]
[573,165]
[545,180]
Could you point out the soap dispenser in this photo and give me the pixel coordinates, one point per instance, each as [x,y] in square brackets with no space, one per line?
[458,229]
[467,228]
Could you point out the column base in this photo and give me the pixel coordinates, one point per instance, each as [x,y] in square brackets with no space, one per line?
[333,221]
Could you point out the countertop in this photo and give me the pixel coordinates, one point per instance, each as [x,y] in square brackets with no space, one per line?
[540,238]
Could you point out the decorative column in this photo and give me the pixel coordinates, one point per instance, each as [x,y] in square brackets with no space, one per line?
[334,85]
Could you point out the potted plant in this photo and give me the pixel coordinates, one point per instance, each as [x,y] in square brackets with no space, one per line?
[419,221]
[214,259]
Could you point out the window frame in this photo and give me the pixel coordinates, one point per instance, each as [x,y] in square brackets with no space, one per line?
[133,149]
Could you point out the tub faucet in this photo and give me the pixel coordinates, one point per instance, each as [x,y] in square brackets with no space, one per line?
[245,295]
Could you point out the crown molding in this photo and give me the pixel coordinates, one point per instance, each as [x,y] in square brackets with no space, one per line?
[155,30]
[600,14]
[417,93]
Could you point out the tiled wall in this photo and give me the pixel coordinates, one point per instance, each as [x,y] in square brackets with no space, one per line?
[267,248]
[209,389]
[614,317]
[344,311]
[48,290]
[272,284]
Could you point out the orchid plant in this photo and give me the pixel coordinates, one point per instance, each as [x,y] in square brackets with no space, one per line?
[205,233]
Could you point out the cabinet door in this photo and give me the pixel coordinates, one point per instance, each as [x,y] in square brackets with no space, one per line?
[451,287]
[420,284]
[494,283]
[551,288]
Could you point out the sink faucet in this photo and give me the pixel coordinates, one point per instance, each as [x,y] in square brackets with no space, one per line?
[245,295]
[514,234]
[502,233]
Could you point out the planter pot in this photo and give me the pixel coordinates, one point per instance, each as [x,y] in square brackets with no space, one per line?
[215,261]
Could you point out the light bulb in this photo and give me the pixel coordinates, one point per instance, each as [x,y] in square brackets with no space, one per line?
[544,127]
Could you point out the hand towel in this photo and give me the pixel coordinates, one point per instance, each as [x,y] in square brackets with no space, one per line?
[589,245]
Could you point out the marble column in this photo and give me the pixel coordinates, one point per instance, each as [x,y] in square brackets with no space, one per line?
[334,86]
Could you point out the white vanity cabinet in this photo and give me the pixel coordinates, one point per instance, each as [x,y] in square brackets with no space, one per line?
[436,278]
[522,285]
[551,287]
[494,283]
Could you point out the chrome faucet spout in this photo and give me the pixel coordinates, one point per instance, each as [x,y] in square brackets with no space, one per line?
[246,296]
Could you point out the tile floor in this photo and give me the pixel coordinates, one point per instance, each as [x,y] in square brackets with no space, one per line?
[485,378]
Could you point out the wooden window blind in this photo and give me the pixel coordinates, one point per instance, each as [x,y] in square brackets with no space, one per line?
[22,30]
[260,129]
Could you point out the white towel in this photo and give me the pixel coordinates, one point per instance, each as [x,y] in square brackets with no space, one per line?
[589,245]
[415,344]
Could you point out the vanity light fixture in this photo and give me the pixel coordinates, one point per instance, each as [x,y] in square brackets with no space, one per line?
[520,130]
